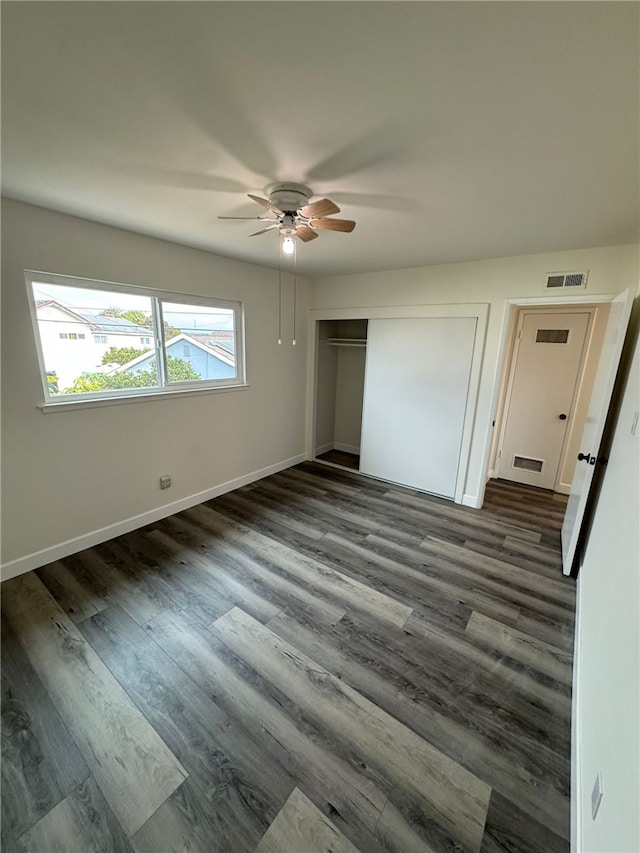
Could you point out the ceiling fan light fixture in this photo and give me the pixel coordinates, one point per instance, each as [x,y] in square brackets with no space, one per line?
[288,244]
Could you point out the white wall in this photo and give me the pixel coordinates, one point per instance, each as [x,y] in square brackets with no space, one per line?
[67,475]
[607,651]
[611,270]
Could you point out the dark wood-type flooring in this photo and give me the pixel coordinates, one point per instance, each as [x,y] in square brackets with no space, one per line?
[342,458]
[316,662]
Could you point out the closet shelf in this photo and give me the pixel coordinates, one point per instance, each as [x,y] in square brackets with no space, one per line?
[347,342]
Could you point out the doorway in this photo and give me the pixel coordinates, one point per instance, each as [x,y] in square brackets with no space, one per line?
[546,389]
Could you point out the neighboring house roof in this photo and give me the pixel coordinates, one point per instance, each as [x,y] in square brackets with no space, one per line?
[227,346]
[116,325]
[47,303]
[214,350]
[99,322]
[223,339]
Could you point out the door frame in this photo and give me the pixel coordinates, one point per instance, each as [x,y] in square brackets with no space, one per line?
[478,311]
[510,374]
[512,309]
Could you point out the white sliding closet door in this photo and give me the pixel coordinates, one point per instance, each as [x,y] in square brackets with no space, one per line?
[415,398]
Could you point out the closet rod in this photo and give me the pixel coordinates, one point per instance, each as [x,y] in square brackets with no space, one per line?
[347,342]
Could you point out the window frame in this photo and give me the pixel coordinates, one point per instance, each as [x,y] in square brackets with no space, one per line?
[156,296]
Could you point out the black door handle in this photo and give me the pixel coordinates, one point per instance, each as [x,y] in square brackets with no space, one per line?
[562,417]
[586,457]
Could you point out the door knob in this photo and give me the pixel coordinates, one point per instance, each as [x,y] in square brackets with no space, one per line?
[562,417]
[583,457]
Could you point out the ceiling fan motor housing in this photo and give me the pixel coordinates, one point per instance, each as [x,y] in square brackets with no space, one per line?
[288,224]
[288,197]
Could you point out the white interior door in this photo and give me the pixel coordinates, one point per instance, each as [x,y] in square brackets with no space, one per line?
[416,388]
[594,425]
[547,361]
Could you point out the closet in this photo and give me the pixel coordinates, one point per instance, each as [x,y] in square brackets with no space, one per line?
[397,394]
[340,368]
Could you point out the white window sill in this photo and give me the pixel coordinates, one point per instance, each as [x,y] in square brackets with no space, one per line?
[73,405]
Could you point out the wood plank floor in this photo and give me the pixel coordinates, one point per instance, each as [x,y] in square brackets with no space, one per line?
[342,458]
[316,662]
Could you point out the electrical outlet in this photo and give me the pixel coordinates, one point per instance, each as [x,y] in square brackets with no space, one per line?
[165,481]
[596,795]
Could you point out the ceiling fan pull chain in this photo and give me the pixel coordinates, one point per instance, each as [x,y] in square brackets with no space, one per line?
[295,292]
[279,294]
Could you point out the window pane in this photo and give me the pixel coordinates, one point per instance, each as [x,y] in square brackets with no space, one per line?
[75,323]
[200,342]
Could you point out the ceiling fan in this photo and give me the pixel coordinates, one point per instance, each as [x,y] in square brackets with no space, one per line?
[293,216]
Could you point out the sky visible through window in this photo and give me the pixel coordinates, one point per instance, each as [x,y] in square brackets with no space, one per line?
[194,318]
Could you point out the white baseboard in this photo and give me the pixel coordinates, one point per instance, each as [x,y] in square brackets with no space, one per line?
[95,537]
[324,448]
[347,448]
[472,501]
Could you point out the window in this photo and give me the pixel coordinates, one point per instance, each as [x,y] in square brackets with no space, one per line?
[159,341]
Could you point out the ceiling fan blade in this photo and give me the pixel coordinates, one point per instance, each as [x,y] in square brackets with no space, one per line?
[254,218]
[324,207]
[345,225]
[266,204]
[264,230]
[305,233]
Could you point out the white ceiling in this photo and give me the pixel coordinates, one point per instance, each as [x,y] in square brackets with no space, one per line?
[449,131]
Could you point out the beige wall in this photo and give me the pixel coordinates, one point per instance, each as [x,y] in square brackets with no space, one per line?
[67,475]
[611,270]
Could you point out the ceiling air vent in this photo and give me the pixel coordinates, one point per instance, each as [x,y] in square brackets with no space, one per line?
[559,281]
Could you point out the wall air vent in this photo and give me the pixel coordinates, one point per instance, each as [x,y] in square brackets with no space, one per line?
[526,464]
[552,336]
[560,281]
